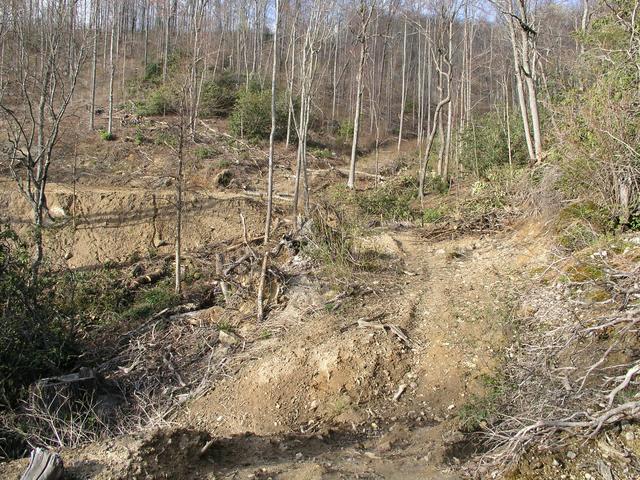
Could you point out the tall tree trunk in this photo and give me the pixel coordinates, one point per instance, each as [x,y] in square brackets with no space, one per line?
[404,83]
[291,113]
[145,25]
[274,71]
[179,186]
[165,55]
[112,73]
[524,111]
[94,60]
[334,78]
[528,69]
[508,124]
[356,119]
[365,14]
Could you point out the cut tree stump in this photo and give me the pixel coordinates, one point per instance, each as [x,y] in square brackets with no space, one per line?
[44,465]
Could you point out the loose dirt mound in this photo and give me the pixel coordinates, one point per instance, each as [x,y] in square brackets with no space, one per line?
[349,368]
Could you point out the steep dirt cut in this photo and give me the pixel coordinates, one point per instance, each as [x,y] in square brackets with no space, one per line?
[117,224]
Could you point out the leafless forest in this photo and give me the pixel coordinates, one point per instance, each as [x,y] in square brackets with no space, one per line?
[319,239]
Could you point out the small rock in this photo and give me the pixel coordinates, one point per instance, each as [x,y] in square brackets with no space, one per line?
[629,436]
[313,405]
[571,455]
[604,470]
[399,392]
[228,338]
[299,456]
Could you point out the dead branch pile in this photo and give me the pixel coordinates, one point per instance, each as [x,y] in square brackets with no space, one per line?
[178,353]
[575,368]
[467,223]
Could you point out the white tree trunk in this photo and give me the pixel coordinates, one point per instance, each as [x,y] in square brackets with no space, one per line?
[94,59]
[112,73]
[267,229]
[404,83]
[365,13]
[524,111]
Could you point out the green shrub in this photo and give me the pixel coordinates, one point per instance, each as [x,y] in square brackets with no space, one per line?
[577,236]
[598,135]
[587,212]
[485,144]
[330,239]
[40,326]
[392,201]
[107,136]
[321,152]
[436,184]
[204,152]
[219,96]
[481,410]
[139,137]
[152,72]
[160,101]
[152,300]
[345,130]
[432,215]
[36,340]
[166,138]
[98,294]
[251,115]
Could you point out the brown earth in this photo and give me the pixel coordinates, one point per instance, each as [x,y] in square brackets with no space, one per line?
[353,375]
[315,398]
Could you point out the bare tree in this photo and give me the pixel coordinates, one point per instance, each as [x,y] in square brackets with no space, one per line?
[112,71]
[198,14]
[167,38]
[179,192]
[272,134]
[441,52]
[317,29]
[365,11]
[403,101]
[523,49]
[41,93]
[94,60]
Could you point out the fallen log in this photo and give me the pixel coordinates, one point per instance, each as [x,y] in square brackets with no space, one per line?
[57,394]
[44,465]
[151,277]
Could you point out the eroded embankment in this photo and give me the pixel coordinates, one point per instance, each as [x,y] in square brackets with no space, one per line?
[98,225]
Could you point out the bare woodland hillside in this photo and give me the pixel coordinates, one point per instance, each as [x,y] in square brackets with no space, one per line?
[277,239]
